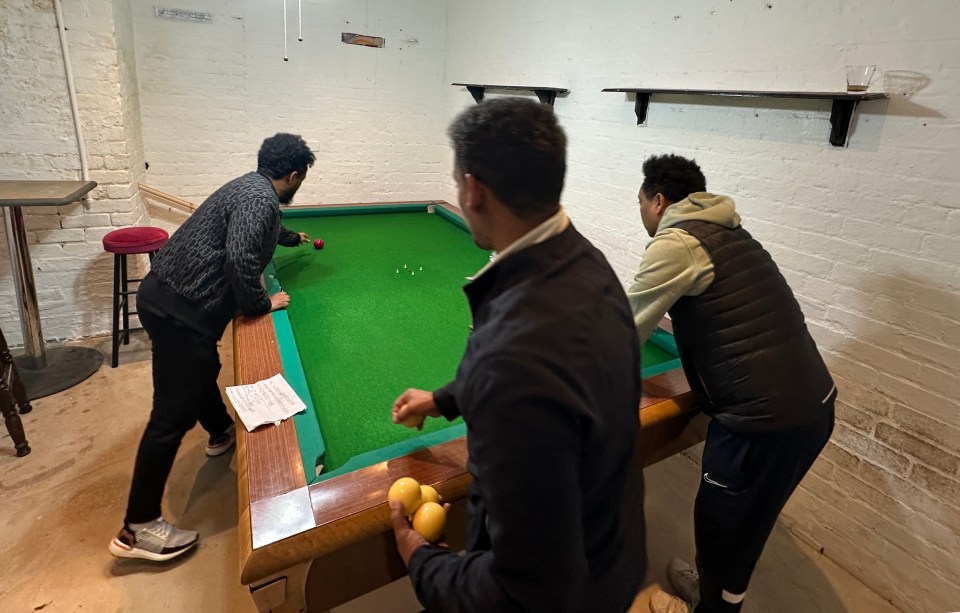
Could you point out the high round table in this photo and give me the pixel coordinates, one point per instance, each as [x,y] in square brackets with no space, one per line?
[43,370]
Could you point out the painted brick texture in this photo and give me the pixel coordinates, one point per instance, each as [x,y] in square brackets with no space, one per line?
[866,235]
[210,94]
[37,141]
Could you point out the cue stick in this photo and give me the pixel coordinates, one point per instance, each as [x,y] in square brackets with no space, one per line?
[300,19]
[285,58]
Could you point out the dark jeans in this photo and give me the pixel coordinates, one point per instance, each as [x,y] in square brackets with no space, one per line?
[185,369]
[746,482]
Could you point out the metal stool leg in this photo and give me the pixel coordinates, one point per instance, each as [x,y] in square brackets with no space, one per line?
[125,279]
[117,259]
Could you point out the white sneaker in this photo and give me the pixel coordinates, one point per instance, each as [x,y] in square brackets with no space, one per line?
[662,602]
[156,541]
[685,581]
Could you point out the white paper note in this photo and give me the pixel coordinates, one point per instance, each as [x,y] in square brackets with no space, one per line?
[269,401]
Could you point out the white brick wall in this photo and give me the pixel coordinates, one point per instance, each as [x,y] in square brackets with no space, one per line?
[375,117]
[867,235]
[37,141]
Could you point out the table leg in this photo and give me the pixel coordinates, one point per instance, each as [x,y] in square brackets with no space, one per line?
[24,284]
[43,371]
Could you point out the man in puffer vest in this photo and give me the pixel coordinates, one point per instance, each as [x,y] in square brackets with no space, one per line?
[746,350]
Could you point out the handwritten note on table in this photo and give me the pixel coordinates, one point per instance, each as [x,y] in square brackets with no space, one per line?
[269,401]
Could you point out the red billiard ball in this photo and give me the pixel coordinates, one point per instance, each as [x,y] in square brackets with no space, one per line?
[318,243]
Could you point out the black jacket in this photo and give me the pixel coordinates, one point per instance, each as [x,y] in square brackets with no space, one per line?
[549,389]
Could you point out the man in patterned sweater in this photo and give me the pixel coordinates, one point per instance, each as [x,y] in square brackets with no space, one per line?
[208,272]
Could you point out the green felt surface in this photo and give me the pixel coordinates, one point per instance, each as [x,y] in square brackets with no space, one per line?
[366,332]
[358,332]
[658,354]
[652,354]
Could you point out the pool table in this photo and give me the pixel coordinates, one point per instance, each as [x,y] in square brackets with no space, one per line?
[377,309]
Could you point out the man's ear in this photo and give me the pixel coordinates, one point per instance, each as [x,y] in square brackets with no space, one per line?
[660,203]
[475,191]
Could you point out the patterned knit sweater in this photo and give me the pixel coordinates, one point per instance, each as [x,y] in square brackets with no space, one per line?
[211,266]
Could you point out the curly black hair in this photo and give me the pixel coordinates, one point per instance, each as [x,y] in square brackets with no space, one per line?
[515,147]
[282,154]
[673,176]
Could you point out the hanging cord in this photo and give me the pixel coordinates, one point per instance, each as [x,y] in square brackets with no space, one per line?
[285,58]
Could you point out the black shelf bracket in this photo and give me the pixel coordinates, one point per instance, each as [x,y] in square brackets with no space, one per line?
[643,101]
[842,113]
[546,95]
[476,91]
[841,121]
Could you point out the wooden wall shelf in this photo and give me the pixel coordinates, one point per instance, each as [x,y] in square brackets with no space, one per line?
[546,94]
[841,114]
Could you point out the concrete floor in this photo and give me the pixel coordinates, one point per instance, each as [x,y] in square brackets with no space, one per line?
[60,506]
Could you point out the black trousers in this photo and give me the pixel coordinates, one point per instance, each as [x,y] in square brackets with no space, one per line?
[185,390]
[746,483]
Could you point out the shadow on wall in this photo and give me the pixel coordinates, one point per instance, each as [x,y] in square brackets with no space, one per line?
[895,450]
[93,288]
[904,82]
[72,284]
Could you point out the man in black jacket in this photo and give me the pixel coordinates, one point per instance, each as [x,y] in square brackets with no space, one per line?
[207,272]
[746,349]
[548,387]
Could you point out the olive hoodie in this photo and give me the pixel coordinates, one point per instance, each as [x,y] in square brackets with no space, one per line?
[674,263]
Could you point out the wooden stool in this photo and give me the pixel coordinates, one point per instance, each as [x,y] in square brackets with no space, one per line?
[13,397]
[121,243]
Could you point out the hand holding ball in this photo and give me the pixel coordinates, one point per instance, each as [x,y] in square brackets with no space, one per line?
[423,503]
[412,420]
[406,491]
[429,521]
[428,494]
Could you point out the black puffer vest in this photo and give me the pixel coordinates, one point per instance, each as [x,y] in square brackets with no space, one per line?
[743,342]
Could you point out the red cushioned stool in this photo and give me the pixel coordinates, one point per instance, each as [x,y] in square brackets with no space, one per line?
[121,243]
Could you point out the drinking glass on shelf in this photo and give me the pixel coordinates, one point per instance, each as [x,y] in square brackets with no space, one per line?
[858,77]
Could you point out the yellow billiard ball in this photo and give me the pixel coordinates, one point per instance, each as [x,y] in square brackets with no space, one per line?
[410,421]
[407,492]
[429,521]
[428,494]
